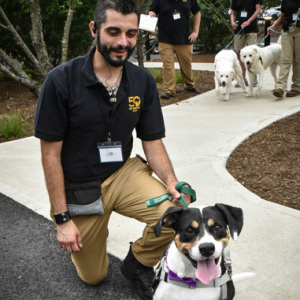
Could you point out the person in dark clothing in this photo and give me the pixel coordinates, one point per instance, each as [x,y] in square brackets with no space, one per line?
[244,23]
[290,44]
[174,37]
[87,111]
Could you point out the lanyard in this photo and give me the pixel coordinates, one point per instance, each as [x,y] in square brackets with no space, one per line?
[108,119]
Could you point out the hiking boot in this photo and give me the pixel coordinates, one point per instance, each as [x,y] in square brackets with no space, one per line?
[292,93]
[278,93]
[166,96]
[140,275]
[193,90]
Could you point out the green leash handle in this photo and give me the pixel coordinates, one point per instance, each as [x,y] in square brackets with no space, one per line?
[181,189]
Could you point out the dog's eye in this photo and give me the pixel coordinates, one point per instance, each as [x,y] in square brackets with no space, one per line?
[217,228]
[221,75]
[190,230]
[250,55]
[227,76]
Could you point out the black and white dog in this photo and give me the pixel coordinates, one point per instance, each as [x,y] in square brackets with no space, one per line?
[196,265]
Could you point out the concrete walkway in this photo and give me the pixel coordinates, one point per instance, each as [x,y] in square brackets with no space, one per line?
[201,134]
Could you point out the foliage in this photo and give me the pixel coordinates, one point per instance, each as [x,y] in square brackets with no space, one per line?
[215,29]
[54,15]
[11,126]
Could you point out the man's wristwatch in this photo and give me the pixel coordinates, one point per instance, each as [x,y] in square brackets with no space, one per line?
[62,218]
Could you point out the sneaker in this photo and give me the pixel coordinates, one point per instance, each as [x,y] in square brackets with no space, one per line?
[140,275]
[278,93]
[166,96]
[292,93]
[193,90]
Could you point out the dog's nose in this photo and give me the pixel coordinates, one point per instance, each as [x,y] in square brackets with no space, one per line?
[207,249]
[248,62]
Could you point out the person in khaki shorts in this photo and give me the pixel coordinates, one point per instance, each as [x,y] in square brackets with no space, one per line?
[290,43]
[87,111]
[244,23]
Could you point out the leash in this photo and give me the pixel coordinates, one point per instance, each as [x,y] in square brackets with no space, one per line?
[278,32]
[236,35]
[181,189]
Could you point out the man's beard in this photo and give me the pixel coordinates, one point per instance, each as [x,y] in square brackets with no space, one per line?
[105,51]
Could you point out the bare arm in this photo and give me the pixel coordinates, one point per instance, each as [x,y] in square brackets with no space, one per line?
[197,20]
[277,23]
[68,235]
[233,19]
[160,163]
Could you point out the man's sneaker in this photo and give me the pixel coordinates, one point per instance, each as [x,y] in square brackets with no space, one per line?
[140,275]
[166,96]
[193,90]
[278,93]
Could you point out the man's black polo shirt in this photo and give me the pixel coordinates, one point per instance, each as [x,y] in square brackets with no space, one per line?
[74,107]
[170,31]
[249,6]
[290,7]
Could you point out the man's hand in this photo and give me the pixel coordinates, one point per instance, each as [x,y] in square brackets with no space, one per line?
[176,195]
[68,237]
[245,24]
[193,36]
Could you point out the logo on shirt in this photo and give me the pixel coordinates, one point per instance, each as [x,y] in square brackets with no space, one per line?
[134,103]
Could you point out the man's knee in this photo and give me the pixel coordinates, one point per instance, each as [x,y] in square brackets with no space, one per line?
[92,278]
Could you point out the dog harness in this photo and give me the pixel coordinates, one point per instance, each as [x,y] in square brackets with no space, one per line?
[181,189]
[172,278]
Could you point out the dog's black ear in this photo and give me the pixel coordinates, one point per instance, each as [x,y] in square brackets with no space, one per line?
[168,219]
[234,217]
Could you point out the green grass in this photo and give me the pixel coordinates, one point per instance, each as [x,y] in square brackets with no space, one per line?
[158,76]
[11,126]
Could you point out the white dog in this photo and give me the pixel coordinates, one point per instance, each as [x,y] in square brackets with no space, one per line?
[227,68]
[257,60]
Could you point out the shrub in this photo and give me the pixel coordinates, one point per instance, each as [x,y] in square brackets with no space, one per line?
[11,126]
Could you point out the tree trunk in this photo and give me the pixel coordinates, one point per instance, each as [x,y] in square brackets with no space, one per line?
[65,40]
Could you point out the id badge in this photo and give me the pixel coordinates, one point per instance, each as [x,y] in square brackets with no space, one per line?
[110,152]
[176,15]
[295,17]
[244,14]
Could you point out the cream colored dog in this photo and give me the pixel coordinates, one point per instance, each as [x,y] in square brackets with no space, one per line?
[227,69]
[257,60]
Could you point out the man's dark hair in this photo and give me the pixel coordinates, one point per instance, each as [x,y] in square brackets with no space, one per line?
[124,7]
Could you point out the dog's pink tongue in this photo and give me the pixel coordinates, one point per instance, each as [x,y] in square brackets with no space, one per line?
[207,270]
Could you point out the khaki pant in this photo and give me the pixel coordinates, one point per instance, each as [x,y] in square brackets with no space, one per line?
[184,55]
[124,192]
[290,56]
[243,40]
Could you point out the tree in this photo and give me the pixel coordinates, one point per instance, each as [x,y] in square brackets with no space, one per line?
[14,62]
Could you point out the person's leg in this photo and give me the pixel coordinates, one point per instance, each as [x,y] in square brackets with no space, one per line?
[184,54]
[239,43]
[296,61]
[131,186]
[251,39]
[166,51]
[92,261]
[286,60]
